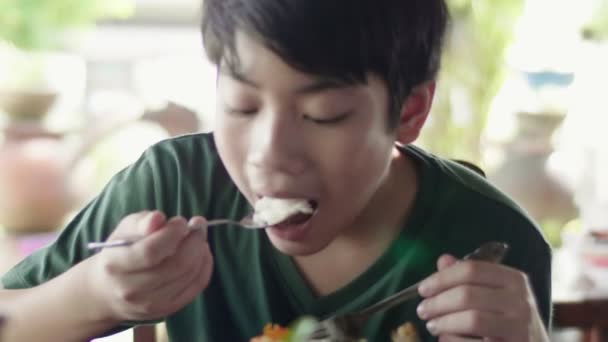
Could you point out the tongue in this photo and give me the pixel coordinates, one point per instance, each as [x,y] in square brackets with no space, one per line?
[293,220]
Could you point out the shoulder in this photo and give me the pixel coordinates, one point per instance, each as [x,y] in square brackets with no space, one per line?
[473,208]
[189,169]
[184,149]
[188,158]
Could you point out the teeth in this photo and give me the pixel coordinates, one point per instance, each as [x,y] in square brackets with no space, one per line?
[271,211]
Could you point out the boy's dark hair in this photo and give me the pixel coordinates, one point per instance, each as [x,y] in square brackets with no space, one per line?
[399,40]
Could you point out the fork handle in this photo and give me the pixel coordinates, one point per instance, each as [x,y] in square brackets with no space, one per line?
[402,296]
[491,252]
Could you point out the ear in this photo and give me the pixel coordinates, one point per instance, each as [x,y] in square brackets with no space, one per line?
[414,112]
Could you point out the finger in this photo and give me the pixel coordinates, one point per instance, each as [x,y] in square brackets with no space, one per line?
[473,323]
[151,222]
[446,261]
[144,283]
[129,226]
[454,338]
[196,285]
[160,244]
[187,257]
[469,272]
[202,281]
[159,302]
[465,297]
[149,251]
[183,290]
[198,223]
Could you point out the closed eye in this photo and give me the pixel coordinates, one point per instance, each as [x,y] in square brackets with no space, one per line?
[242,111]
[329,121]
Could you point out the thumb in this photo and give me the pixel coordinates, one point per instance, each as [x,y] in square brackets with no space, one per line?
[198,223]
[445,261]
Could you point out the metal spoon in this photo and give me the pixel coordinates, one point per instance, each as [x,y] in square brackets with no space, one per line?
[247,222]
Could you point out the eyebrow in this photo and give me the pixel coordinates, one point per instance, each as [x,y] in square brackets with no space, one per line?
[317,86]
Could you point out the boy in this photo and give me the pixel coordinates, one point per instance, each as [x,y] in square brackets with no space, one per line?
[318,101]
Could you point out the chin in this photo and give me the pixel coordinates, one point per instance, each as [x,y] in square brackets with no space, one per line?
[295,248]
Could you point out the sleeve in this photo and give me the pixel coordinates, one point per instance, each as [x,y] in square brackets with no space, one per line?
[539,273]
[134,189]
[532,255]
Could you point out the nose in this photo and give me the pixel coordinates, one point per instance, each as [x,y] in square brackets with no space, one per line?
[277,144]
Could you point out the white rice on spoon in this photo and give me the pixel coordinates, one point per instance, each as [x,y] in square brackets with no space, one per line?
[271,211]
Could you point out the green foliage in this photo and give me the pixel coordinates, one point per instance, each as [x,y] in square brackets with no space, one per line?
[597,27]
[473,67]
[552,229]
[38,24]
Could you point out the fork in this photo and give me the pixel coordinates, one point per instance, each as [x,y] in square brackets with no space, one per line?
[246,222]
[349,326]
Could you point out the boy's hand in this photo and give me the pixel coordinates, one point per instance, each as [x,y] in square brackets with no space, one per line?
[480,301]
[157,275]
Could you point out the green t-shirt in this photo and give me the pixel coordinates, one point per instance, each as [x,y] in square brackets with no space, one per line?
[253,283]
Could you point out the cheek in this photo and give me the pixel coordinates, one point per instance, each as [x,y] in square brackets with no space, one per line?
[357,163]
[231,136]
[366,168]
[231,146]
[223,134]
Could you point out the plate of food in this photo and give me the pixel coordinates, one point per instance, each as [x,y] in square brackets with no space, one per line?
[303,327]
[296,332]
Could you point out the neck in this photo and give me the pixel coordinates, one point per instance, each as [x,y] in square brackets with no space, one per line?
[390,206]
[371,234]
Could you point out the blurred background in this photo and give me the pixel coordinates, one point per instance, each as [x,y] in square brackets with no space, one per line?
[87,85]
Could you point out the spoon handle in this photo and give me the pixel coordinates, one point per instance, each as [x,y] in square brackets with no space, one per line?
[129,242]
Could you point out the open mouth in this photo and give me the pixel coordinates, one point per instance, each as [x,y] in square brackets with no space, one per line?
[297,219]
[296,226]
[271,211]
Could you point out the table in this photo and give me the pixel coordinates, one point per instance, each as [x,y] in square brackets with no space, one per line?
[589,315]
